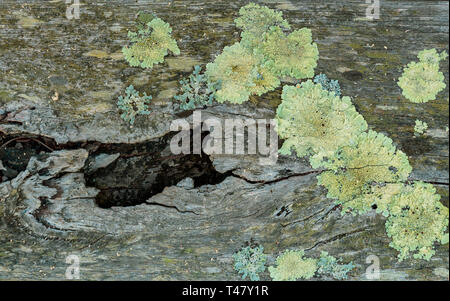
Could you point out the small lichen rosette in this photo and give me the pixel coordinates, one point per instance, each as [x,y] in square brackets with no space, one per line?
[417,220]
[331,266]
[420,127]
[133,104]
[196,90]
[294,55]
[236,69]
[328,84]
[316,122]
[422,81]
[250,262]
[150,45]
[255,20]
[354,169]
[291,265]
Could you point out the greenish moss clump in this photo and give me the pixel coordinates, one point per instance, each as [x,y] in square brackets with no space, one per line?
[250,262]
[197,90]
[292,265]
[422,81]
[315,122]
[150,44]
[264,55]
[133,104]
[420,127]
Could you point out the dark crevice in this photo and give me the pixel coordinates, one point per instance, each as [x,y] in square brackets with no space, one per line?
[141,171]
[173,207]
[16,151]
[337,237]
[146,169]
[302,174]
[430,182]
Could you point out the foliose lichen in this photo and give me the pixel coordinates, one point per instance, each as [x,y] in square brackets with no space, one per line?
[328,84]
[353,170]
[332,267]
[133,104]
[420,127]
[293,55]
[292,265]
[150,44]
[250,262]
[236,69]
[315,122]
[196,90]
[265,80]
[422,81]
[255,20]
[264,55]
[416,220]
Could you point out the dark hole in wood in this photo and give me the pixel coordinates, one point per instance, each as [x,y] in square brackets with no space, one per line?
[143,170]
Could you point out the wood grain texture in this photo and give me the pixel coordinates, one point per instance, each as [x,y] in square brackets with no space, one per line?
[190,234]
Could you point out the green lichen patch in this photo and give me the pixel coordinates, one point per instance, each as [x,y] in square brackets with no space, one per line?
[294,55]
[422,81]
[316,122]
[265,80]
[420,127]
[354,169]
[197,90]
[417,220]
[292,265]
[255,20]
[236,69]
[150,44]
[332,267]
[330,85]
[264,55]
[133,104]
[250,262]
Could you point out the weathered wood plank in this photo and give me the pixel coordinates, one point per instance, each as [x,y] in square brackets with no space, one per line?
[42,52]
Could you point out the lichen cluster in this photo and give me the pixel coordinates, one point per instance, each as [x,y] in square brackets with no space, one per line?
[150,44]
[250,262]
[294,55]
[361,169]
[332,267]
[328,84]
[133,104]
[236,69]
[264,55]
[416,219]
[255,21]
[292,265]
[422,81]
[196,90]
[315,122]
[420,127]
[352,170]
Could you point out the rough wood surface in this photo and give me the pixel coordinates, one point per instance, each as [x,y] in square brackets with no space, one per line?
[186,233]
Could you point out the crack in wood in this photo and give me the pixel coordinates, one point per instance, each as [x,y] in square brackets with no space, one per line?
[337,237]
